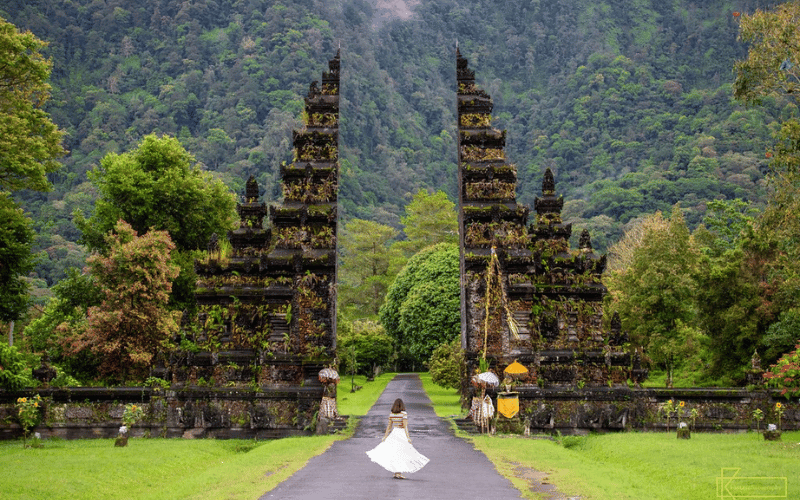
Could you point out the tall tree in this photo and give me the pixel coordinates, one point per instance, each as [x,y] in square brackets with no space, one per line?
[135,279]
[16,237]
[29,145]
[369,265]
[655,293]
[772,69]
[158,185]
[66,312]
[430,219]
[29,141]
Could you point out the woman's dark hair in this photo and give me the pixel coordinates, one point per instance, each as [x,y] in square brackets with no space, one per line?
[398,406]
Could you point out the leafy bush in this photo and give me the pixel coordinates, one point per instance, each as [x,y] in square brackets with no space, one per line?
[447,365]
[785,374]
[370,344]
[422,307]
[14,375]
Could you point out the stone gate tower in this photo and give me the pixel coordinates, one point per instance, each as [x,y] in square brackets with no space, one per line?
[526,295]
[267,295]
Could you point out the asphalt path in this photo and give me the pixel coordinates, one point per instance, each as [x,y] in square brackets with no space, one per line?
[344,472]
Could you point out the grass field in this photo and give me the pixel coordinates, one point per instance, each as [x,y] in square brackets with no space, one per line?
[620,466]
[632,465]
[167,468]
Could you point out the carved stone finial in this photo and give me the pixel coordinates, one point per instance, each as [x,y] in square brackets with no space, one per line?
[585,242]
[213,243]
[755,361]
[616,323]
[251,190]
[549,183]
[313,90]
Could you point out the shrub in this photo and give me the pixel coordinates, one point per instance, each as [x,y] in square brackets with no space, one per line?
[447,365]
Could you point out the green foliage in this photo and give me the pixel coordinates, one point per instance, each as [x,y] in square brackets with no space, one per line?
[364,344]
[132,321]
[429,219]
[655,293]
[158,185]
[29,141]
[14,375]
[132,414]
[369,265]
[785,373]
[422,306]
[16,237]
[66,312]
[781,336]
[637,130]
[447,366]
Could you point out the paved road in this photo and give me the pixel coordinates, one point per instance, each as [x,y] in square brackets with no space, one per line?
[456,470]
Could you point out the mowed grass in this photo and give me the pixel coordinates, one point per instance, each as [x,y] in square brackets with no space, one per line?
[636,465]
[168,468]
[656,466]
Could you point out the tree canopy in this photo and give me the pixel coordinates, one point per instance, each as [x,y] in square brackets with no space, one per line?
[422,306]
[430,219]
[158,185]
[131,322]
[370,262]
[16,237]
[29,141]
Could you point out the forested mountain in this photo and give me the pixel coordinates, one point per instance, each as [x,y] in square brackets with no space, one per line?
[629,103]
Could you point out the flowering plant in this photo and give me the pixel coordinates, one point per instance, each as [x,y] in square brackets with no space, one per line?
[132,414]
[779,412]
[668,408]
[28,414]
[758,416]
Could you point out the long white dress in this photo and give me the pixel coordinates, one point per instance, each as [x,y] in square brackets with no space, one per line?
[395,453]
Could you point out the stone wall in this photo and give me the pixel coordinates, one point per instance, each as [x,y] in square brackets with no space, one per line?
[192,412]
[604,409]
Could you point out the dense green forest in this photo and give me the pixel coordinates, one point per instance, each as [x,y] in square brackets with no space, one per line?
[630,103]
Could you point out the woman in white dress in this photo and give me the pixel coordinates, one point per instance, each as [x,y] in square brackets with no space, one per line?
[395,452]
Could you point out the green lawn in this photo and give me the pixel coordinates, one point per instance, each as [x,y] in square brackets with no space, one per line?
[633,465]
[167,468]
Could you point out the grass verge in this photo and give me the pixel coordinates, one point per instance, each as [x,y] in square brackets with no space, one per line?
[634,465]
[168,468]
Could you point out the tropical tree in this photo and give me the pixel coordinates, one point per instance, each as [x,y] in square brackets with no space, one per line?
[370,344]
[369,264]
[422,306]
[429,219]
[29,141]
[654,294]
[158,185]
[29,145]
[16,237]
[128,327]
[66,312]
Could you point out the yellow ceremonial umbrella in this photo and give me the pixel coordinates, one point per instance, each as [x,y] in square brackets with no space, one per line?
[515,370]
